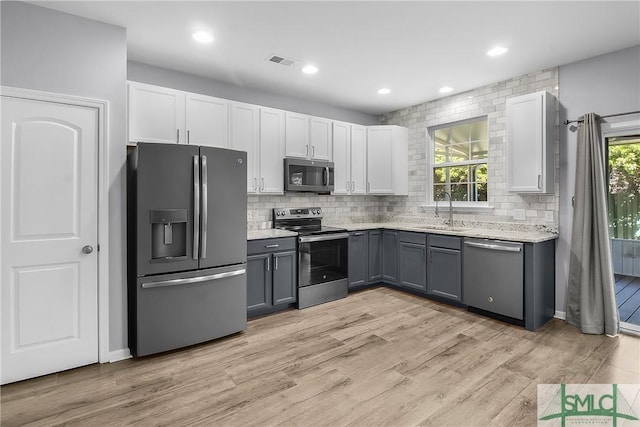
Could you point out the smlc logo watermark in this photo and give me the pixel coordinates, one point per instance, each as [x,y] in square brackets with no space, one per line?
[561,405]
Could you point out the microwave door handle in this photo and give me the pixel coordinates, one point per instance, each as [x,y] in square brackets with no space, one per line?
[325,176]
[205,208]
[196,205]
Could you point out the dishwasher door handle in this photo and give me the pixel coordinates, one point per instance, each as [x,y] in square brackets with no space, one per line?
[494,246]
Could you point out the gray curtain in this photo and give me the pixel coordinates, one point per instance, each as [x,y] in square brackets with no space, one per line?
[591,298]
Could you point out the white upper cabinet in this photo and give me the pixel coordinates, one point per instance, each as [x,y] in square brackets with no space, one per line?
[341,158]
[387,160]
[272,124]
[297,135]
[320,138]
[530,143]
[358,159]
[349,158]
[207,120]
[156,114]
[245,136]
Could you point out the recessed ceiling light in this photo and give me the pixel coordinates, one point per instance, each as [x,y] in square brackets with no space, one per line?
[384,91]
[445,89]
[310,69]
[202,37]
[497,51]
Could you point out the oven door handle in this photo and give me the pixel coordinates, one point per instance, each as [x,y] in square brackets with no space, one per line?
[333,236]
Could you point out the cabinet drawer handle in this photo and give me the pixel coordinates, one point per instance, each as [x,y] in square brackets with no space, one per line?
[271,246]
[358,234]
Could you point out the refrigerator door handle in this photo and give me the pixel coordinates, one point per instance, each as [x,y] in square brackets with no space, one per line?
[205,205]
[190,280]
[196,205]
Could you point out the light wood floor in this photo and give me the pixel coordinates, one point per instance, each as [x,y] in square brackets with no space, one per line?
[378,357]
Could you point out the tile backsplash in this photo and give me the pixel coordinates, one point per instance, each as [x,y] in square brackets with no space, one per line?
[487,101]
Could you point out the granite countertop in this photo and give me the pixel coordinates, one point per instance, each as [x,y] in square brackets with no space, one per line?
[269,233]
[465,231]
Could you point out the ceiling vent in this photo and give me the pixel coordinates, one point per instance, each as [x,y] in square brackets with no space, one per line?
[278,59]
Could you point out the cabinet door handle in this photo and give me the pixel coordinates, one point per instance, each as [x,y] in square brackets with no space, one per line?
[368,186]
[306,151]
[275,262]
[539,181]
[262,186]
[313,151]
[269,264]
[188,137]
[348,187]
[177,136]
[353,186]
[255,183]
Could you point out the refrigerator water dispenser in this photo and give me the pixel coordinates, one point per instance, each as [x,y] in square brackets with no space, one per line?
[168,234]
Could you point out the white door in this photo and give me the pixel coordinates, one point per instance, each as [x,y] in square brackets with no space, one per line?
[207,120]
[48,178]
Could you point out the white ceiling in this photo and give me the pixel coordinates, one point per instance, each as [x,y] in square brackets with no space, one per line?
[413,48]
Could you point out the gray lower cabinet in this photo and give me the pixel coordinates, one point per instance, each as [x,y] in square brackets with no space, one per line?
[412,261]
[358,259]
[444,267]
[390,257]
[271,274]
[375,256]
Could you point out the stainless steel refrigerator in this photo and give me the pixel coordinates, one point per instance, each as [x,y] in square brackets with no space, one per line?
[187,245]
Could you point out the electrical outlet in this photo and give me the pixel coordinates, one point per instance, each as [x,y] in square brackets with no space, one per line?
[519,214]
[548,216]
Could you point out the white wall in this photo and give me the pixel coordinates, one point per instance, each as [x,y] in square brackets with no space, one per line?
[145,73]
[56,52]
[607,84]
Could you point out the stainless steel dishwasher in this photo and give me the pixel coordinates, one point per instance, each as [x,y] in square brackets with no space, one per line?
[494,276]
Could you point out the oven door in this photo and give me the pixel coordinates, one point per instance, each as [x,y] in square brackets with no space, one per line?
[322,258]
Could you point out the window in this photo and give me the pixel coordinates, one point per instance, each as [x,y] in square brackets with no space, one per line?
[459,154]
[623,158]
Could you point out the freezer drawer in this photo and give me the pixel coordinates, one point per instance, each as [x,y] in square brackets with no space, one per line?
[177,310]
[494,276]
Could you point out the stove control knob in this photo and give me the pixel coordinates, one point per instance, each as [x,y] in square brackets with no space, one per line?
[278,213]
[313,211]
[282,213]
[319,210]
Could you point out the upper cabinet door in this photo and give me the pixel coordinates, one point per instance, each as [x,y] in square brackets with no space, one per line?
[341,158]
[379,160]
[530,143]
[297,135]
[207,120]
[272,124]
[358,159]
[320,140]
[244,135]
[156,114]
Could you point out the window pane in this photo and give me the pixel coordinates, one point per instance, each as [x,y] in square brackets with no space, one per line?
[480,173]
[441,136]
[459,152]
[481,192]
[478,131]
[479,150]
[460,134]
[439,175]
[459,174]
[459,192]
[440,154]
[438,192]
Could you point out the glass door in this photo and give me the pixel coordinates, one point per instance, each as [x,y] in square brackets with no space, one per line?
[623,164]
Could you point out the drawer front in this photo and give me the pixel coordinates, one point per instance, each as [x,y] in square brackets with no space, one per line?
[447,242]
[271,245]
[412,237]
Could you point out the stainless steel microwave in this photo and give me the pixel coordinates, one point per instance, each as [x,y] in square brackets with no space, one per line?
[314,176]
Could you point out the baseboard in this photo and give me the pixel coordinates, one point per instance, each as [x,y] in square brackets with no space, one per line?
[560,315]
[630,328]
[122,354]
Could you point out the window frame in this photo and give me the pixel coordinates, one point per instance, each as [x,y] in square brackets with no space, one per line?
[431,165]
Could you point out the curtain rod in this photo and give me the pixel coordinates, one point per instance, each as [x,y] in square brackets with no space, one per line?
[566,122]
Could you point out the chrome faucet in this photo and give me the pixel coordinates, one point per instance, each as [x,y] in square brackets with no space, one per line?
[450,210]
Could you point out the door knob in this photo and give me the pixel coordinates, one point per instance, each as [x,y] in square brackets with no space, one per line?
[87,249]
